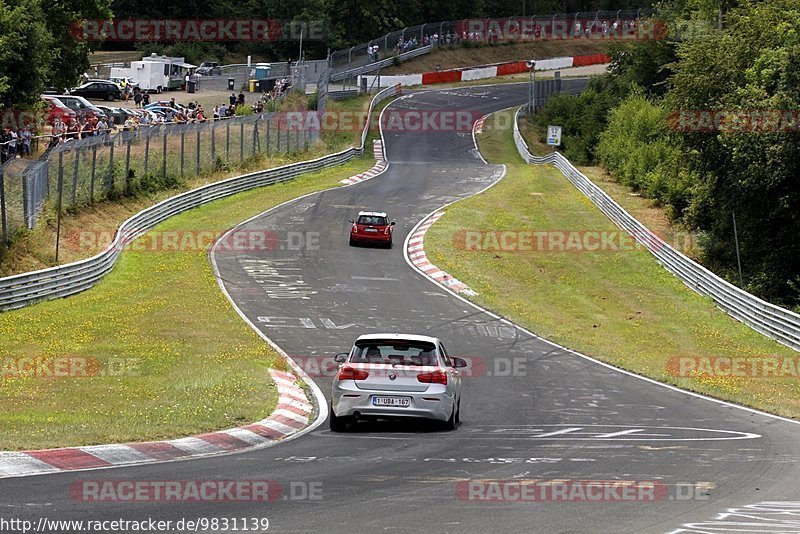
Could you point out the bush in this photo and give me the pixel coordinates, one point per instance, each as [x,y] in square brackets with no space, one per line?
[638,149]
[582,118]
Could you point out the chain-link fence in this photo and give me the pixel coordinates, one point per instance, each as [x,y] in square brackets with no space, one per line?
[456,32]
[79,172]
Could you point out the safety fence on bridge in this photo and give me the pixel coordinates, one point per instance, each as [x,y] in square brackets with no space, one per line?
[373,54]
[22,290]
[771,320]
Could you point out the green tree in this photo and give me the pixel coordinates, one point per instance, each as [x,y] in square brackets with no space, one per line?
[26,53]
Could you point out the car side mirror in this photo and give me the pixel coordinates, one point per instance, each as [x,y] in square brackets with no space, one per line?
[458,362]
[341,357]
[393,223]
[352,221]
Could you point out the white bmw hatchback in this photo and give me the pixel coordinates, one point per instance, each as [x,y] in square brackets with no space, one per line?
[388,376]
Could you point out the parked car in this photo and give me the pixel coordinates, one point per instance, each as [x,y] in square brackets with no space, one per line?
[115,115]
[396,376]
[82,107]
[371,227]
[105,90]
[56,108]
[209,68]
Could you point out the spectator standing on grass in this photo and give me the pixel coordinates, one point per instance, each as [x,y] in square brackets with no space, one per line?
[240,99]
[145,98]
[102,127]
[25,136]
[74,130]
[215,113]
[232,99]
[137,97]
[223,111]
[12,144]
[59,128]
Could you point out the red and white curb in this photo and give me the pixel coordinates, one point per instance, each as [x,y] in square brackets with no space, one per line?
[290,416]
[379,167]
[416,253]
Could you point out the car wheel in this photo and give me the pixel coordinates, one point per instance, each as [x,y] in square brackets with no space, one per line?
[110,97]
[451,423]
[337,424]
[458,412]
[352,243]
[389,243]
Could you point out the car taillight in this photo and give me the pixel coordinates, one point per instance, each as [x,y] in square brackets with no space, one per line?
[355,229]
[386,231]
[348,373]
[436,377]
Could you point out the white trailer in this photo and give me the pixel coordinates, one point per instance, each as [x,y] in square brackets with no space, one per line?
[155,73]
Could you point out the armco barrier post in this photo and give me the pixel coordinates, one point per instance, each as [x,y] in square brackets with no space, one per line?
[241,142]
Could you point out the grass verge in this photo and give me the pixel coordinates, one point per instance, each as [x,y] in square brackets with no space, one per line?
[621,306]
[154,351]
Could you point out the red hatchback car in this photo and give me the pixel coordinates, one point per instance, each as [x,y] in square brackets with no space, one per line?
[371,227]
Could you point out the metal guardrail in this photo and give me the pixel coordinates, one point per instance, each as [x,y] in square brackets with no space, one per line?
[388,62]
[773,321]
[25,289]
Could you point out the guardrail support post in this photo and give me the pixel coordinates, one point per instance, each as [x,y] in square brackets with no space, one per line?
[241,142]
[269,120]
[110,176]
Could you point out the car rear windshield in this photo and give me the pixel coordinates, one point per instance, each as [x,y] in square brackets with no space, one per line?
[372,219]
[393,351]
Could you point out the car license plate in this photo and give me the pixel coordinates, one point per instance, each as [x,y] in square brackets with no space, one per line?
[400,402]
[370,230]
